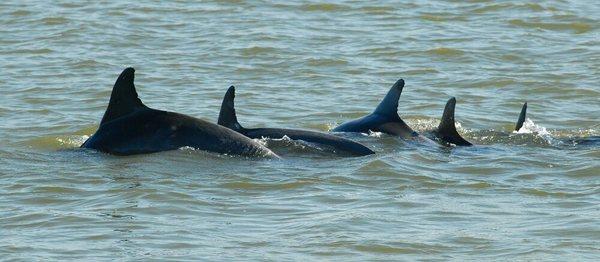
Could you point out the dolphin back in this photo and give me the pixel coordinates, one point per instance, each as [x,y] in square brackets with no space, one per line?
[333,141]
[446,130]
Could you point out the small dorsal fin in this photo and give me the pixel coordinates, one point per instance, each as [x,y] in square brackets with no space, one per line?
[389,104]
[227,117]
[447,128]
[522,117]
[123,99]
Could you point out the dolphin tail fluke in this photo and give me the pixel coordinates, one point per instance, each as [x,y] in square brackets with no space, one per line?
[389,104]
[446,131]
[227,117]
[123,99]
[522,117]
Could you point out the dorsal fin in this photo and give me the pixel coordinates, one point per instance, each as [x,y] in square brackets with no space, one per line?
[522,117]
[123,99]
[227,117]
[389,104]
[447,128]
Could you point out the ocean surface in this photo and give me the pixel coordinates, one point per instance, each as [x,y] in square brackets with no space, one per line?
[527,196]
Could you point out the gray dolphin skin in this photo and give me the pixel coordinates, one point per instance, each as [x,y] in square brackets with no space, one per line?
[384,119]
[228,118]
[446,130]
[129,127]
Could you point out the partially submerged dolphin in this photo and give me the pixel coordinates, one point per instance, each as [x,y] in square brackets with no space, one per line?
[228,118]
[522,117]
[446,130]
[129,127]
[385,119]
[573,141]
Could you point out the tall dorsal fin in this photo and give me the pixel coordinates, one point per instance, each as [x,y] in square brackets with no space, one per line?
[227,117]
[389,104]
[522,117]
[123,99]
[447,128]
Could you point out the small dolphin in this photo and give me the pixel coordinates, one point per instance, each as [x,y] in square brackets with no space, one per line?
[228,118]
[574,141]
[129,127]
[384,119]
[522,117]
[446,130]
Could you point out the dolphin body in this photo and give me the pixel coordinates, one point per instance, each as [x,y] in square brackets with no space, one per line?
[228,118]
[385,119]
[129,127]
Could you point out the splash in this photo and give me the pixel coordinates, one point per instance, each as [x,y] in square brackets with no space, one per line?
[374,134]
[57,142]
[72,141]
[529,127]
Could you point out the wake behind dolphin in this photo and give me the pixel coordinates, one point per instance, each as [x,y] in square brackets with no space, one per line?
[129,127]
[228,118]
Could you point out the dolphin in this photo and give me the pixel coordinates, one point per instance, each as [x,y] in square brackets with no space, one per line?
[521,119]
[384,119]
[228,118]
[446,130]
[574,141]
[129,127]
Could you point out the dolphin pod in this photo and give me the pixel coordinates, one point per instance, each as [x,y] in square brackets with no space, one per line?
[129,127]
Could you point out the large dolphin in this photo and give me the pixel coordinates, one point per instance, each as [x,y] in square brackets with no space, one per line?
[385,119]
[228,118]
[129,127]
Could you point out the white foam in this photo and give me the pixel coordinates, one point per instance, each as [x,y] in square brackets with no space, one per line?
[72,140]
[187,148]
[529,127]
[374,134]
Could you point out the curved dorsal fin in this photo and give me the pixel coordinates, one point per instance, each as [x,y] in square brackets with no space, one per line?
[227,117]
[389,104]
[447,128]
[123,99]
[521,117]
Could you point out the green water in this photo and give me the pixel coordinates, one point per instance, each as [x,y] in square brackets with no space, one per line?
[524,197]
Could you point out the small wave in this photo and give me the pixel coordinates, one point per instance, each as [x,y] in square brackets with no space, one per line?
[54,20]
[577,27]
[327,62]
[323,7]
[441,17]
[445,51]
[503,6]
[258,50]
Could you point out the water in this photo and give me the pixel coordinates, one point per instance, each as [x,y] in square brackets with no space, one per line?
[527,196]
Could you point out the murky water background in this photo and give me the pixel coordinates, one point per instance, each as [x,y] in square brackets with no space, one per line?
[303,65]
